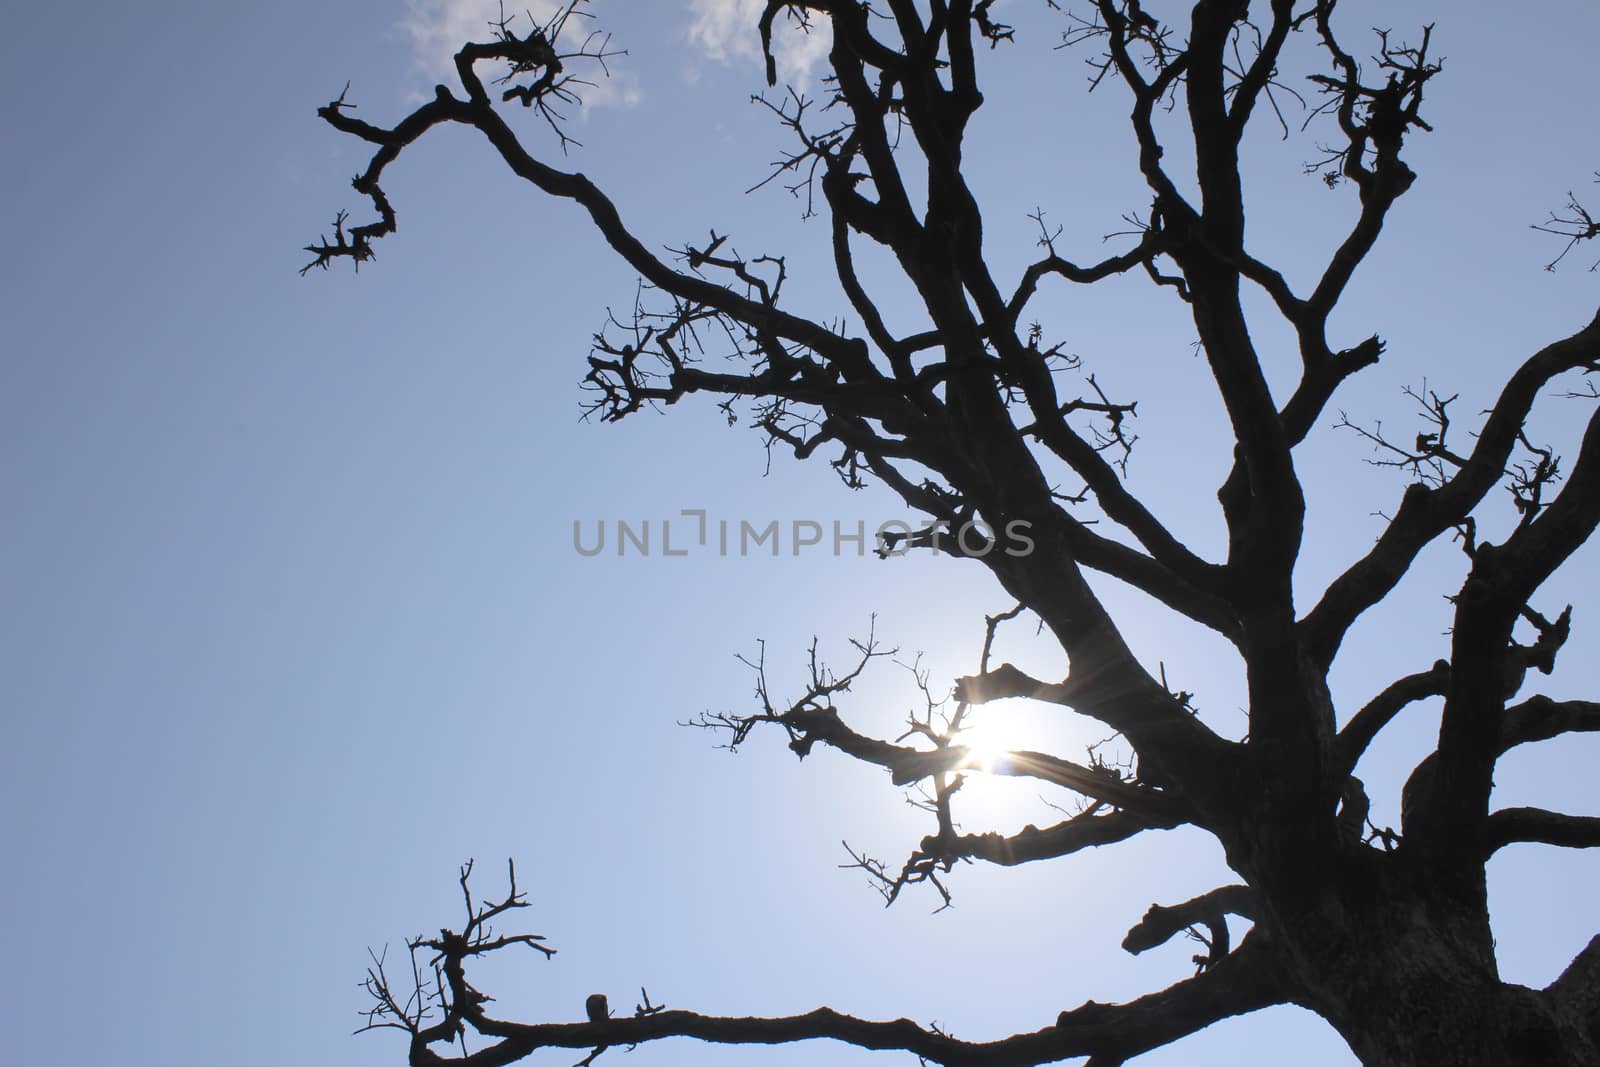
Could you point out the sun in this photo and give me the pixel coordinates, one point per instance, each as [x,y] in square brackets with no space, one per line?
[989,741]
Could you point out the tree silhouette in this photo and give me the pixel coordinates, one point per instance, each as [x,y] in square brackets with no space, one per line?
[1384,932]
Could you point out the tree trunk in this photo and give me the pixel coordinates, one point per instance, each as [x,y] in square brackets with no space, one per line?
[1443,1021]
[1411,981]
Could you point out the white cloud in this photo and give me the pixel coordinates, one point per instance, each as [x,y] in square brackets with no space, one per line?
[727,30]
[438,29]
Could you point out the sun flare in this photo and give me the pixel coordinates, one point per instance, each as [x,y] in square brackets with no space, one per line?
[990,741]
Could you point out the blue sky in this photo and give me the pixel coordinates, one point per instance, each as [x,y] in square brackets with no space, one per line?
[294,625]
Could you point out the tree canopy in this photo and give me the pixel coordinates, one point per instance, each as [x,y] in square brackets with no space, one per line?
[1017,458]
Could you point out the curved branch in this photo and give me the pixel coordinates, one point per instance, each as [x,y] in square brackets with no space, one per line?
[1244,981]
[1425,513]
[1366,724]
[608,221]
[1147,248]
[1160,923]
[847,354]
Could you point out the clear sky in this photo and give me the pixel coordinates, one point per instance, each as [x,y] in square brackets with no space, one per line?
[292,619]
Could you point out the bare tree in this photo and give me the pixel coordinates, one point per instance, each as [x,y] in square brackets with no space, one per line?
[1384,932]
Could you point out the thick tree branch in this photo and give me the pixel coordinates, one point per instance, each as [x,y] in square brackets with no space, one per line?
[1540,545]
[1487,666]
[1087,830]
[1160,923]
[1510,826]
[1539,719]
